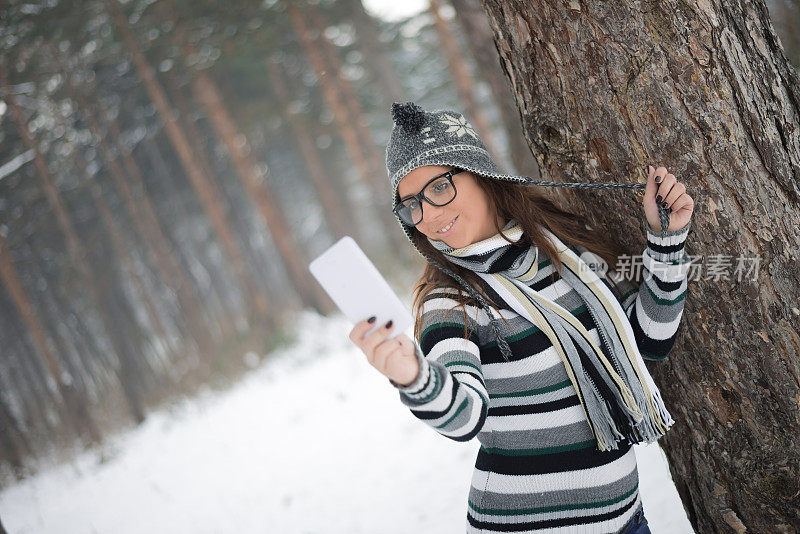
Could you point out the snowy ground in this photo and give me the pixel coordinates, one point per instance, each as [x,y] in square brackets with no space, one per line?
[313,440]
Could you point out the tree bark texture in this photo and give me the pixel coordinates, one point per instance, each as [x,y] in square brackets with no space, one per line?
[703,88]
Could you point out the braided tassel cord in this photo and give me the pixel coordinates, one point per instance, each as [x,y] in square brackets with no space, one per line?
[662,213]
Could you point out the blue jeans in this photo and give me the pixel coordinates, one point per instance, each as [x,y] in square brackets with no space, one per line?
[637,524]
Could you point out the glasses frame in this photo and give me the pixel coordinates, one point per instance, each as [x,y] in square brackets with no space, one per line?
[421,195]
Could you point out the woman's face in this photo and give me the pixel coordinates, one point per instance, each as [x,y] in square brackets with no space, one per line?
[470,209]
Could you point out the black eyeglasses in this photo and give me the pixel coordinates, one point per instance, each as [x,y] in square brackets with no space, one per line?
[439,191]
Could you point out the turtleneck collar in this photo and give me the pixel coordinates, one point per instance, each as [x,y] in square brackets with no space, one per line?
[494,254]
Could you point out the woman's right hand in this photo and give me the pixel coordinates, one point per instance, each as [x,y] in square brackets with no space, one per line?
[394,358]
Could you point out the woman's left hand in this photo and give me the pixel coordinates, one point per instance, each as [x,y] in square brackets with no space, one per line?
[670,191]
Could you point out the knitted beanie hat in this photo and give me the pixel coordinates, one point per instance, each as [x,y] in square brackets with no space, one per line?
[445,137]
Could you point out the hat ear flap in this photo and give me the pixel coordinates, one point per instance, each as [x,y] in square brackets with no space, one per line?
[408,116]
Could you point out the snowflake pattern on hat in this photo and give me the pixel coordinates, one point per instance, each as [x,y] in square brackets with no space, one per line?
[458,125]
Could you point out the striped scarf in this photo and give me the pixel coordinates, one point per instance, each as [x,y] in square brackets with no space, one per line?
[617,393]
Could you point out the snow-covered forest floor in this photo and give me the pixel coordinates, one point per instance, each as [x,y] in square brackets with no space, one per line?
[312,440]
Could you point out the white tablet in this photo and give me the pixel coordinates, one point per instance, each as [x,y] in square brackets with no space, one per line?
[358,288]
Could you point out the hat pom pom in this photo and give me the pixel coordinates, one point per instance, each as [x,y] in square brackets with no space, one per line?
[409,116]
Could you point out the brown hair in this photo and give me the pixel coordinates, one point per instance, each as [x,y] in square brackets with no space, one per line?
[530,209]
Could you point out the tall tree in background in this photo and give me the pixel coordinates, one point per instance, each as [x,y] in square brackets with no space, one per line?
[127,368]
[208,95]
[120,247]
[361,121]
[144,216]
[226,215]
[211,201]
[377,53]
[13,442]
[74,411]
[464,81]
[334,211]
[348,124]
[480,41]
[179,200]
[703,88]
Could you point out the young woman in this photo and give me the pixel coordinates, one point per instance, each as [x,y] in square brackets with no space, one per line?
[520,341]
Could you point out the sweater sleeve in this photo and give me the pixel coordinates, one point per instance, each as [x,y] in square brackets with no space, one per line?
[655,308]
[449,393]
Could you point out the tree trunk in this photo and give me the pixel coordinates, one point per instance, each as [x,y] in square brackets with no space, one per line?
[704,89]
[259,191]
[465,84]
[120,249]
[34,398]
[75,410]
[202,187]
[34,375]
[215,209]
[361,122]
[338,222]
[14,445]
[377,184]
[78,256]
[118,242]
[168,180]
[151,232]
[201,151]
[188,124]
[206,93]
[377,55]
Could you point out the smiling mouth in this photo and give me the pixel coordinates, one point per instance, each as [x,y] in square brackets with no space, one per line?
[449,226]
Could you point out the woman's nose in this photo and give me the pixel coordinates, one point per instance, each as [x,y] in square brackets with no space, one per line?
[431,212]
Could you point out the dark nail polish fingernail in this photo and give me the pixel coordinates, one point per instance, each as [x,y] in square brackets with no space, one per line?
[664,204]
[658,198]
[658,179]
[389,324]
[669,210]
[371,320]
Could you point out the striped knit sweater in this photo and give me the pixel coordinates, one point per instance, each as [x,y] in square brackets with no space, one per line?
[538,469]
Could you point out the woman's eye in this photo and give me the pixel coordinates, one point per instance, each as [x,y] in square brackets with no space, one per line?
[442,187]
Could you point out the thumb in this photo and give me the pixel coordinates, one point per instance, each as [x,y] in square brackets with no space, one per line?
[651,187]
